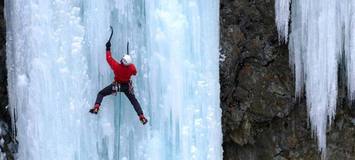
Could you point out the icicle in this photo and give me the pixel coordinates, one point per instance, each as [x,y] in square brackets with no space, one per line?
[349,44]
[282,14]
[320,31]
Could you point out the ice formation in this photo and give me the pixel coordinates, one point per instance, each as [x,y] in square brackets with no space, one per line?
[322,34]
[282,15]
[56,63]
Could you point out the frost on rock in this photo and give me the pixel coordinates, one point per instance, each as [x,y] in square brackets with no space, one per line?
[322,31]
[58,48]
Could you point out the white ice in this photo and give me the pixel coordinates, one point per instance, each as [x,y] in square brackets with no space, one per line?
[282,16]
[322,33]
[56,63]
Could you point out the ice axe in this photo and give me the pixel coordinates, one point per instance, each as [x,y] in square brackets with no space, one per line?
[111,34]
[127,48]
[109,40]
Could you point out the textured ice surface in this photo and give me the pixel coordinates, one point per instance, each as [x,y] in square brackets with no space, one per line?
[282,16]
[322,32]
[56,63]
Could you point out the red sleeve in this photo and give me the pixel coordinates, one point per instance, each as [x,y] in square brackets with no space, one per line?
[134,70]
[112,62]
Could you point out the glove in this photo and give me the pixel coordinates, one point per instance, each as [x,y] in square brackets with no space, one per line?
[108,46]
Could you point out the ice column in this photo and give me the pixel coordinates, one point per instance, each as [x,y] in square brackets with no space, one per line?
[178,83]
[48,79]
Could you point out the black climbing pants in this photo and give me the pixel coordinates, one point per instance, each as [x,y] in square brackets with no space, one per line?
[126,88]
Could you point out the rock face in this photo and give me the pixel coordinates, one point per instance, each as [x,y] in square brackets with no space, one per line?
[3,73]
[7,146]
[261,117]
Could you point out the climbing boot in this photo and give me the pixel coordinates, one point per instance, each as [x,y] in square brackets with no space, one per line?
[143,119]
[95,109]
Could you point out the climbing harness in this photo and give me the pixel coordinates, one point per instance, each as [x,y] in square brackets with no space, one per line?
[116,88]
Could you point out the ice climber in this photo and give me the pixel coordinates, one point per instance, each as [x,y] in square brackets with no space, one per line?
[122,82]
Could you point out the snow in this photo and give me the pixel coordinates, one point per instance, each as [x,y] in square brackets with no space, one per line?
[322,33]
[56,62]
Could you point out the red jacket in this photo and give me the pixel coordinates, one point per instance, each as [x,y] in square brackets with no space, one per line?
[122,73]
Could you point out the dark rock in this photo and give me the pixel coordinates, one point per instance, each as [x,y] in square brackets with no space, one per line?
[7,144]
[261,117]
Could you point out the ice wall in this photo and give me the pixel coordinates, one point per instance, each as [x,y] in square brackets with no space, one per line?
[56,63]
[322,32]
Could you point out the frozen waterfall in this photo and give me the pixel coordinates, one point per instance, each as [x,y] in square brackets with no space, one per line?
[56,65]
[322,33]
